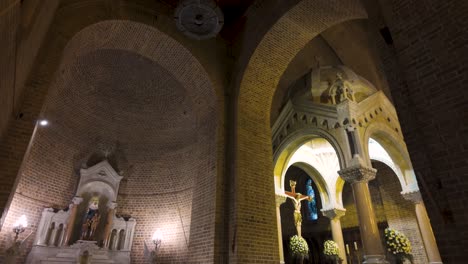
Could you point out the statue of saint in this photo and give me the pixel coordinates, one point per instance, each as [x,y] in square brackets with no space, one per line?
[91,219]
[311,204]
[297,198]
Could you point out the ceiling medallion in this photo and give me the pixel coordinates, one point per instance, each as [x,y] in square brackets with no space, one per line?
[199,19]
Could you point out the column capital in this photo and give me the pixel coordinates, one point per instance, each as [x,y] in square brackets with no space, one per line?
[280,199]
[333,213]
[75,201]
[111,205]
[357,173]
[413,196]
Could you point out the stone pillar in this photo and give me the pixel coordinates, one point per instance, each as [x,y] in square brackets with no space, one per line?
[280,199]
[334,215]
[108,228]
[71,219]
[425,227]
[358,175]
[53,236]
[116,240]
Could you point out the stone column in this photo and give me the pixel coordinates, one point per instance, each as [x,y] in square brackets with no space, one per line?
[425,227]
[71,219]
[358,175]
[334,215]
[108,228]
[280,199]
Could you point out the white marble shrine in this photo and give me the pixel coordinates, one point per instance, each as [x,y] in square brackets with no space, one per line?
[89,230]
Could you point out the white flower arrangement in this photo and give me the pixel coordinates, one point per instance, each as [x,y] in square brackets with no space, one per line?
[330,248]
[299,246]
[398,244]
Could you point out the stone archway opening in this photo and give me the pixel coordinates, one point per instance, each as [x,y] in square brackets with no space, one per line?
[313,160]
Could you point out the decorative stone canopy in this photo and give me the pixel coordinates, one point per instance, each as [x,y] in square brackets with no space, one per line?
[315,108]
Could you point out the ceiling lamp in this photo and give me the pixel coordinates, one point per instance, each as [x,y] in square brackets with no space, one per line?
[199,19]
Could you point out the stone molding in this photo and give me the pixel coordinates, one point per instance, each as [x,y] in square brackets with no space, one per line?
[413,196]
[333,213]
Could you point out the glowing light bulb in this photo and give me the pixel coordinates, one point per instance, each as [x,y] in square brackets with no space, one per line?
[21,222]
[43,122]
[157,236]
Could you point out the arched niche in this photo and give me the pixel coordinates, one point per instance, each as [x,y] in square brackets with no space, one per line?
[395,147]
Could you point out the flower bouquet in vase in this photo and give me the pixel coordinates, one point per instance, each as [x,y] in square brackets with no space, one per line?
[399,245]
[331,251]
[299,247]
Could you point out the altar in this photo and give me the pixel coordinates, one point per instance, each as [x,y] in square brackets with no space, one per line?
[88,231]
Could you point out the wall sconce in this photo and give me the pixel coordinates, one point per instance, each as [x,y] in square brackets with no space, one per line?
[20,225]
[157,239]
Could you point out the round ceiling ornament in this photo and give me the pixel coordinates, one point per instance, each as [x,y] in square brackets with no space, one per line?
[199,19]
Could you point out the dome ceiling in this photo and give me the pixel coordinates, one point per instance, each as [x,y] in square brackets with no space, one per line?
[121,96]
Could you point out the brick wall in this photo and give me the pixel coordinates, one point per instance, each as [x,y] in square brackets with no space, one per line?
[399,213]
[429,55]
[23,26]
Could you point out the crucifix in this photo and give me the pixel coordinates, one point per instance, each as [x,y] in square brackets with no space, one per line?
[297,199]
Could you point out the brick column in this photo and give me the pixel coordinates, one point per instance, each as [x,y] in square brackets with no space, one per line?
[358,175]
[71,219]
[425,227]
[110,216]
[334,215]
[280,199]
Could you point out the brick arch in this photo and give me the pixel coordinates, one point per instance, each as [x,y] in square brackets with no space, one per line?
[257,83]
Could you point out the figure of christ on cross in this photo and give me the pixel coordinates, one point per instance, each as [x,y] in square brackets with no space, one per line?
[297,198]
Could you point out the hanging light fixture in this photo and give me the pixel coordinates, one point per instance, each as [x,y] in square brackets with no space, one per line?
[199,19]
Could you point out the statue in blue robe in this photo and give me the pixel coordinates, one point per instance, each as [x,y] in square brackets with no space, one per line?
[312,214]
